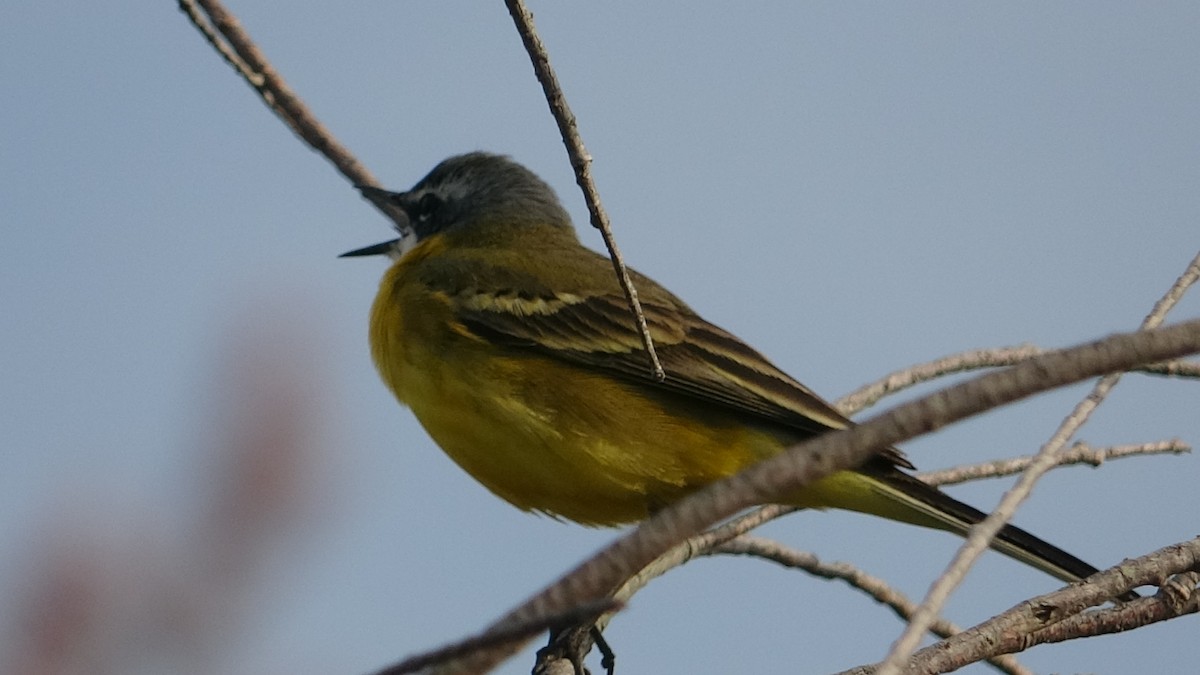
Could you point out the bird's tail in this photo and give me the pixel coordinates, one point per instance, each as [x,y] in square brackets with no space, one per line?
[898,496]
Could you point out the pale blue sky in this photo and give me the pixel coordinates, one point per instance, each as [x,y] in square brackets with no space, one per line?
[850,187]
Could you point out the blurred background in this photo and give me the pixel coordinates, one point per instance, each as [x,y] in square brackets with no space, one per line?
[200,471]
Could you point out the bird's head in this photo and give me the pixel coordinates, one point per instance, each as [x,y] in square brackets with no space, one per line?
[470,195]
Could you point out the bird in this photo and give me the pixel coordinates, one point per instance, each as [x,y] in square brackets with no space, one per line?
[513,345]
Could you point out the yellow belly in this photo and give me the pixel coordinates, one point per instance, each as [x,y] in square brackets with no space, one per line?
[549,438]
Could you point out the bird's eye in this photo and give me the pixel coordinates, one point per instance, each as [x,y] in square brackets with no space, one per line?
[428,206]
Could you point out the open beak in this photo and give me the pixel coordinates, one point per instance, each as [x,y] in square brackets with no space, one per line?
[380,197]
[382,248]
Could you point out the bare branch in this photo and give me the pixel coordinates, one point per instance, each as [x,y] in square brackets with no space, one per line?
[226,34]
[868,395]
[1176,598]
[975,359]
[877,589]
[700,545]
[1079,453]
[581,162]
[981,534]
[1010,631]
[202,24]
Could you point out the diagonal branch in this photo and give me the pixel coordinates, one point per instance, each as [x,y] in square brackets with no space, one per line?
[581,162]
[1055,615]
[226,34]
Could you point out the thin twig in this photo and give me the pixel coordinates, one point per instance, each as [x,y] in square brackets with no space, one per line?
[981,534]
[699,545]
[975,359]
[877,589]
[202,24]
[225,33]
[581,162]
[1079,453]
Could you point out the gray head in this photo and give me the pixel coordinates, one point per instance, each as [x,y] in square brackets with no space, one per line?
[465,191]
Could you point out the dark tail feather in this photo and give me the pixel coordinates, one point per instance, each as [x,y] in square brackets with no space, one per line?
[930,507]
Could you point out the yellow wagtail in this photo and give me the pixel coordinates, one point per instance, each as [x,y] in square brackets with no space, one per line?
[514,346]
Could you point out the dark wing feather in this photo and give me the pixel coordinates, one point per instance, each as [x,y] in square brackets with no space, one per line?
[700,360]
